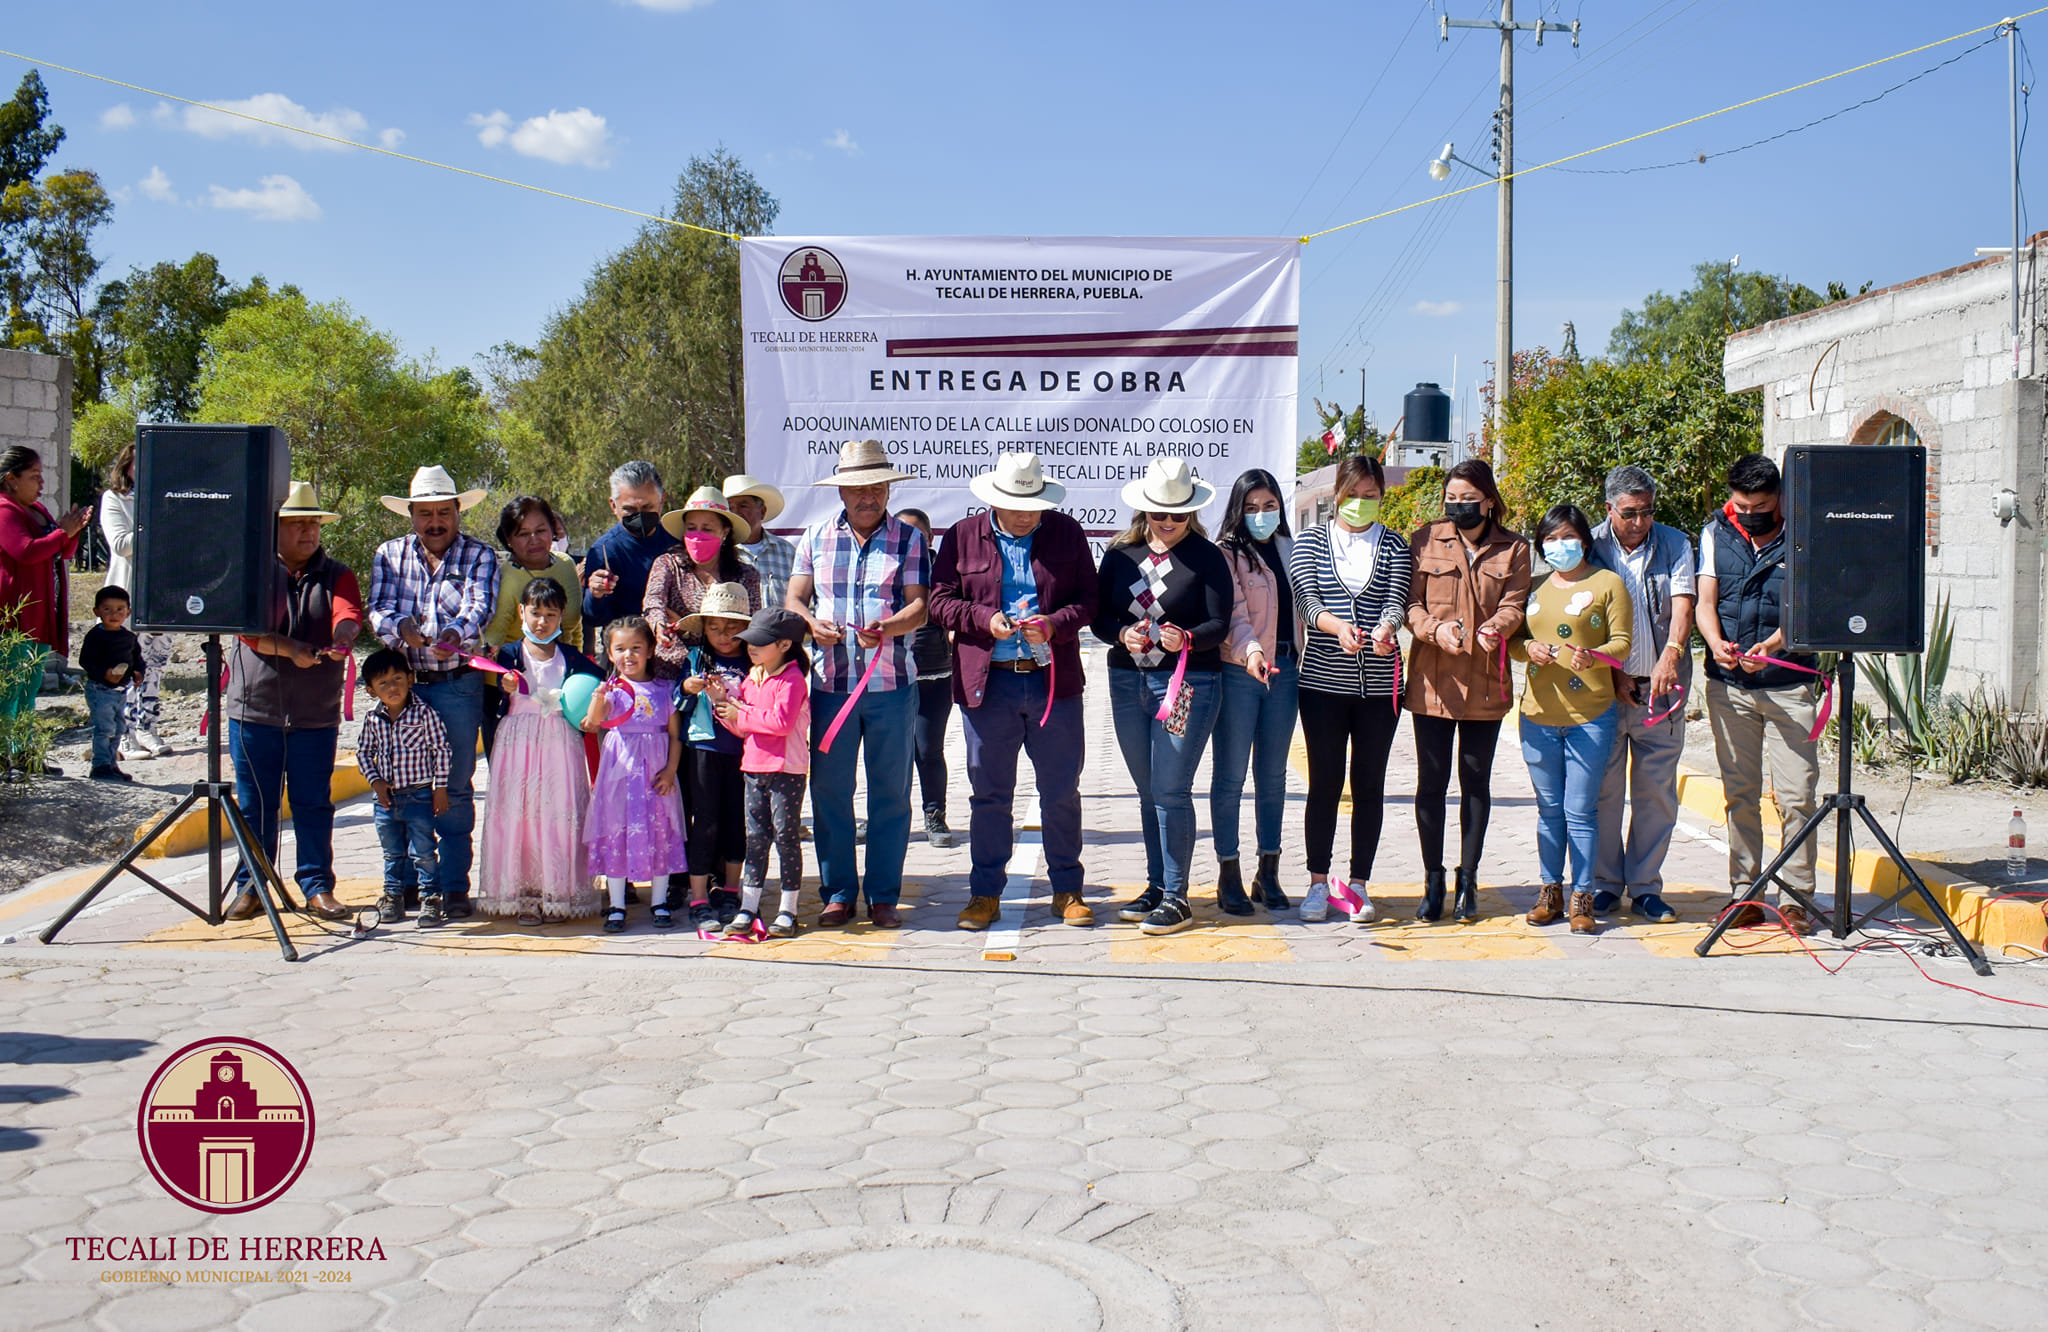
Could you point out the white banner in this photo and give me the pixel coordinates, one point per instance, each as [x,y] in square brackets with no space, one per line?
[1096,354]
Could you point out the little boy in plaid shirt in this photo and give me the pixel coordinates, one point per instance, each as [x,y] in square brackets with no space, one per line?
[403,752]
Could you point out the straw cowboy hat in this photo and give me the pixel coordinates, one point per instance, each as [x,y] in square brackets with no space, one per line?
[1168,487]
[707,499]
[1017,482]
[863,462]
[741,484]
[431,485]
[300,502]
[722,601]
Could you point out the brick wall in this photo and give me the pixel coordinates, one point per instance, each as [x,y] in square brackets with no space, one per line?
[35,409]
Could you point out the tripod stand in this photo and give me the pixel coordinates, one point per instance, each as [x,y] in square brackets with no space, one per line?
[221,808]
[1842,804]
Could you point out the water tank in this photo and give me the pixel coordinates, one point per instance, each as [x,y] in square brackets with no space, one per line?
[1427,410]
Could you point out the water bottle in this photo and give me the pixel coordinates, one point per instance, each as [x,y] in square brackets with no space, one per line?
[1040,652]
[2016,847]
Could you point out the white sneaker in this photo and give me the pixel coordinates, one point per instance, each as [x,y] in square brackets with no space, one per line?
[148,740]
[1366,913]
[132,749]
[1315,904]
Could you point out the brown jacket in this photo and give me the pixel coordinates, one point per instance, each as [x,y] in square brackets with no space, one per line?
[1490,589]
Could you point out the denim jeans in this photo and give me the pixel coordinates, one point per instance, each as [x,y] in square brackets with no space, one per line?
[1566,766]
[270,760]
[1253,729]
[1005,721]
[459,703]
[1163,766]
[406,832]
[884,724]
[105,703]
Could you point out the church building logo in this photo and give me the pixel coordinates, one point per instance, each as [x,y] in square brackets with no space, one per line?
[813,283]
[226,1125]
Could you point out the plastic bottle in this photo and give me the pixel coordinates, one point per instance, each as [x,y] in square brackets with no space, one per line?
[1025,608]
[2016,847]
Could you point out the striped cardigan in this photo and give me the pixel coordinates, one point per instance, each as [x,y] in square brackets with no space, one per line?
[1325,666]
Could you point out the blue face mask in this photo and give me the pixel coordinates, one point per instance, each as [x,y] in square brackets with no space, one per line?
[1262,526]
[1564,554]
[532,637]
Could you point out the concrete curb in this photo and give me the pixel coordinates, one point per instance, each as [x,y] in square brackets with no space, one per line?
[1986,922]
[188,835]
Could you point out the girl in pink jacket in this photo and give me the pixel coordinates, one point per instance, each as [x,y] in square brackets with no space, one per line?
[771,713]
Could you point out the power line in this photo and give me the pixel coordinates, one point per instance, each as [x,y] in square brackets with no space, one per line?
[1392,56]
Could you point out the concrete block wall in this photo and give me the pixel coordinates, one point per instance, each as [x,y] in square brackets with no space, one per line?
[35,409]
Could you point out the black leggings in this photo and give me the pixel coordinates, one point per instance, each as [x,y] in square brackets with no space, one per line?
[1331,724]
[775,802]
[716,805]
[934,708]
[1475,742]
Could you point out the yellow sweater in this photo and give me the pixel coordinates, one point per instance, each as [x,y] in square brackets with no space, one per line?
[1595,612]
[512,581]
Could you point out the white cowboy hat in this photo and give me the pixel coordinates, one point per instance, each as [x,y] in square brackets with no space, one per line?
[863,462]
[1168,487]
[1017,482]
[722,601]
[740,484]
[707,499]
[431,485]
[300,502]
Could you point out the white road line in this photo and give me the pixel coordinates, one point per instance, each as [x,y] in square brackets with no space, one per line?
[1026,855]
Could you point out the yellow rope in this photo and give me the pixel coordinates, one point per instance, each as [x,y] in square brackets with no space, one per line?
[367,147]
[1647,134]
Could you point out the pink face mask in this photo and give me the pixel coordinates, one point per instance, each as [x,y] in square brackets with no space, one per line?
[703,546]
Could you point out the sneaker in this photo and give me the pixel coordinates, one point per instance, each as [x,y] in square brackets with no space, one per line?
[132,750]
[935,830]
[701,915]
[1650,907]
[1172,915]
[390,909]
[784,926]
[1315,903]
[1141,906]
[1605,902]
[741,926]
[149,741]
[614,920]
[431,916]
[1365,913]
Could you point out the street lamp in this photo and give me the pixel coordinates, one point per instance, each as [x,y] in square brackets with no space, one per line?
[1440,169]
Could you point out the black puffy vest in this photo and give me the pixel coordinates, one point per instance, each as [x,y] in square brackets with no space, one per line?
[1751,605]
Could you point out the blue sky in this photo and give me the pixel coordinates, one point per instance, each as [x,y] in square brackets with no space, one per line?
[1193,118]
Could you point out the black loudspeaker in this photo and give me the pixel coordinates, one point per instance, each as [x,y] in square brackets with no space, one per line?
[1856,567]
[206,501]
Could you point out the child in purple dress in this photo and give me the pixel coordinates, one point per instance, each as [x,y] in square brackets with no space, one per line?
[635,828]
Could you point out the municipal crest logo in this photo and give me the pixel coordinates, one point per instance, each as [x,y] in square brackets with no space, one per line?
[813,283]
[226,1125]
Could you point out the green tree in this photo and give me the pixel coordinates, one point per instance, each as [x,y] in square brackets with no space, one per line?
[360,417]
[1721,300]
[155,325]
[1360,436]
[46,233]
[27,138]
[647,362]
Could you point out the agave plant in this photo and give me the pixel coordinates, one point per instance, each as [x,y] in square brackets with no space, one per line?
[1910,685]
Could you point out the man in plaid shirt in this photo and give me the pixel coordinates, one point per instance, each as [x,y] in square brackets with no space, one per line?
[867,573]
[403,753]
[431,595]
[759,504]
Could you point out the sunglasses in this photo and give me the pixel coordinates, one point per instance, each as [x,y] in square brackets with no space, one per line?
[1633,515]
[1166,517]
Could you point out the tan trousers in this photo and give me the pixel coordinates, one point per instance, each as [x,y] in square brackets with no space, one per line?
[1750,726]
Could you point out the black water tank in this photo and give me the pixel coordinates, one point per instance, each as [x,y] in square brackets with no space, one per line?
[1427,410]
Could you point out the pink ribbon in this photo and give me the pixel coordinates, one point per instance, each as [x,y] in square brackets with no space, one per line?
[491,667]
[1343,896]
[207,716]
[711,934]
[1397,683]
[1504,673]
[1180,675]
[606,691]
[1052,667]
[1827,705]
[859,688]
[348,690]
[1679,692]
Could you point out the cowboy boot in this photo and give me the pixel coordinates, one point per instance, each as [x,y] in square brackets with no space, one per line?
[1230,898]
[1432,905]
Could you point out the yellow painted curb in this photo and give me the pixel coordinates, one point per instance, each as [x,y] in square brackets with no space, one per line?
[189,835]
[1983,921]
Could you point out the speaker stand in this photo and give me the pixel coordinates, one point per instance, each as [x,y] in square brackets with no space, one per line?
[1846,805]
[221,807]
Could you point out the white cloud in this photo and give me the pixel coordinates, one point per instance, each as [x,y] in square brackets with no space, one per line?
[1437,309]
[669,6]
[844,143]
[275,199]
[119,116]
[391,138]
[571,138]
[156,185]
[340,123]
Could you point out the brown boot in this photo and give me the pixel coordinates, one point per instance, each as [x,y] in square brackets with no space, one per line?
[1549,905]
[1796,920]
[981,913]
[1071,909]
[244,907]
[1582,914]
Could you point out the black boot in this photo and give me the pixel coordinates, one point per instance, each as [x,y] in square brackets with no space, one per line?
[1230,898]
[1432,907]
[1465,909]
[1266,887]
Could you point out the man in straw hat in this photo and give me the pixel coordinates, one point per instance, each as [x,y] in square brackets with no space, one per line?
[760,504]
[283,705]
[432,593]
[1016,586]
[859,579]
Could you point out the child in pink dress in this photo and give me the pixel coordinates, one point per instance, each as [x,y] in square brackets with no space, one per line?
[635,826]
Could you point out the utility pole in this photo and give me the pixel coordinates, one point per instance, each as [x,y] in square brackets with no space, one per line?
[2012,47]
[1504,158]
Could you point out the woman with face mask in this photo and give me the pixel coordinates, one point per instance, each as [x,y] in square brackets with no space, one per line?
[1350,579]
[1256,725]
[1580,621]
[1471,583]
[710,533]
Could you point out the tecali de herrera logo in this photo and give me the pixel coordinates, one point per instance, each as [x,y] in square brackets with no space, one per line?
[226,1125]
[813,283]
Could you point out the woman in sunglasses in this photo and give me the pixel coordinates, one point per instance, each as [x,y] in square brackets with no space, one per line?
[1164,609]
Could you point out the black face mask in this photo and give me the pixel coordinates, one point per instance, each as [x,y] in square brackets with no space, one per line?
[641,524]
[1465,513]
[1756,524]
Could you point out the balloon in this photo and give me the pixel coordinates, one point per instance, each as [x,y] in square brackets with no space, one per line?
[577,691]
